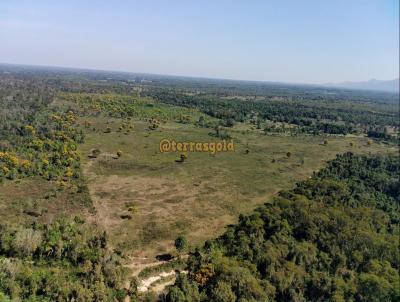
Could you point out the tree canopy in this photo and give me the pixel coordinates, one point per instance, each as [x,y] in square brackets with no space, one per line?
[334,237]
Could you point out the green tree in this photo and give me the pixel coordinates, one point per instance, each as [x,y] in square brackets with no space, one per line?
[222,292]
[181,244]
[373,288]
[176,295]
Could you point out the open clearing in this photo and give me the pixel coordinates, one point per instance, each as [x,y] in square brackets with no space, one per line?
[145,199]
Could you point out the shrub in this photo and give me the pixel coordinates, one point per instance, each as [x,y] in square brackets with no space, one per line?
[26,241]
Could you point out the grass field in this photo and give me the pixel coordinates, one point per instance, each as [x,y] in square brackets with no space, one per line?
[35,199]
[145,199]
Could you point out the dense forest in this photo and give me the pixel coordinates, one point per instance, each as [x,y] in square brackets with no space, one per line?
[334,237]
[63,261]
[34,138]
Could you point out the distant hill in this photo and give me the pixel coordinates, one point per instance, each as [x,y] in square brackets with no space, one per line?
[373,84]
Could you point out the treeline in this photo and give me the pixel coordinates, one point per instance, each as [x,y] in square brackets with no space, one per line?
[381,134]
[313,109]
[309,127]
[126,107]
[335,117]
[334,237]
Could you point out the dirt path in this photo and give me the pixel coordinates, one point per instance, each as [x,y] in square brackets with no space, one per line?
[136,265]
[101,216]
[162,286]
[145,284]
[157,282]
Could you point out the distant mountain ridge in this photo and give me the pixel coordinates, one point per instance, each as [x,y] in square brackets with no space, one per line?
[373,84]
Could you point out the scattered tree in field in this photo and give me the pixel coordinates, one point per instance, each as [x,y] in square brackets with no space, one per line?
[154,123]
[288,154]
[201,121]
[217,129]
[247,150]
[182,158]
[95,153]
[181,244]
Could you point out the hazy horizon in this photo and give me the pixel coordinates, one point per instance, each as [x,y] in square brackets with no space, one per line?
[183,75]
[287,42]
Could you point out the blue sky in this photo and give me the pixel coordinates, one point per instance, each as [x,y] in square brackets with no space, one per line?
[305,41]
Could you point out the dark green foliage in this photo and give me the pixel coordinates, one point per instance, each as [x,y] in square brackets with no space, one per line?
[381,133]
[333,238]
[58,262]
[364,181]
[184,291]
[181,244]
[314,115]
